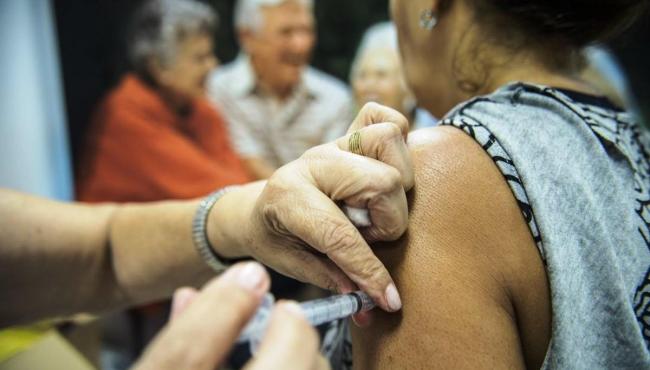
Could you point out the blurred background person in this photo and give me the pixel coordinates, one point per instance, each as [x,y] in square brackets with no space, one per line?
[277,106]
[156,137]
[377,76]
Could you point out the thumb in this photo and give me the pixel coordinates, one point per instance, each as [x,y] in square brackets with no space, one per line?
[373,113]
[203,334]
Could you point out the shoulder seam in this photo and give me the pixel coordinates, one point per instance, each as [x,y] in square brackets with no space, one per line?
[491,145]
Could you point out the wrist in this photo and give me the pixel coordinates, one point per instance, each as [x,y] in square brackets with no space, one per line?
[229,221]
[200,237]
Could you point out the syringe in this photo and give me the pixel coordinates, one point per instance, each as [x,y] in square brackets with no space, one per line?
[318,311]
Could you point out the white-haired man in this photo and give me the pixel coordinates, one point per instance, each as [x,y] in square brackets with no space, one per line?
[277,106]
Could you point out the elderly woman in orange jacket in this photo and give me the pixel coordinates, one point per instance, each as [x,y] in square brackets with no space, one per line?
[154,136]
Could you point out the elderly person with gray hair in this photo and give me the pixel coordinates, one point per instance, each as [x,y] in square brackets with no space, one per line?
[155,136]
[377,75]
[277,106]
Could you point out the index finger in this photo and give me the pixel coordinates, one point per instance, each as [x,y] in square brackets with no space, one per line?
[383,142]
[373,113]
[325,228]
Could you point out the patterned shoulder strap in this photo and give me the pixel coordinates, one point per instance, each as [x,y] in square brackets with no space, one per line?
[616,130]
[502,159]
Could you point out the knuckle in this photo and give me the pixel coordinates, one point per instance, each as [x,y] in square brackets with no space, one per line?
[372,271]
[280,177]
[338,236]
[325,281]
[328,282]
[389,131]
[395,231]
[372,106]
[390,180]
[330,285]
[317,152]
[382,136]
[272,220]
[269,212]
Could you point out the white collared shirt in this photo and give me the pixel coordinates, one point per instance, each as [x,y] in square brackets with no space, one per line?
[318,111]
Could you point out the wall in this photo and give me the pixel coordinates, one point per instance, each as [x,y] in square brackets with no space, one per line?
[33,135]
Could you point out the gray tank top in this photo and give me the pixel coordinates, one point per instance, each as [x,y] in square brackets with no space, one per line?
[579,169]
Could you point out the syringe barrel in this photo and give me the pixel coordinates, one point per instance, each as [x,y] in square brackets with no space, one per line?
[324,310]
[316,312]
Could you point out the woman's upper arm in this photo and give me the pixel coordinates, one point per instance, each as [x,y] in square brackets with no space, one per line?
[473,285]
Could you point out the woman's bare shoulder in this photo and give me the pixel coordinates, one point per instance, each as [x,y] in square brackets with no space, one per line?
[473,285]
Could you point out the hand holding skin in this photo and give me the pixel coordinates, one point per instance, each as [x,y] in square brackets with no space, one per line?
[136,253]
[294,225]
[206,324]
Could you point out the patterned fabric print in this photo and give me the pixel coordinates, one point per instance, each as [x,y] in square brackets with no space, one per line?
[625,136]
[613,129]
[337,345]
[642,308]
[501,158]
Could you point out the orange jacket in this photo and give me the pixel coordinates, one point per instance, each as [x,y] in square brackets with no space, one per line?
[139,150]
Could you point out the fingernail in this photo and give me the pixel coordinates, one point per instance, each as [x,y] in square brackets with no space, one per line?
[392,297]
[181,299]
[181,296]
[292,308]
[248,276]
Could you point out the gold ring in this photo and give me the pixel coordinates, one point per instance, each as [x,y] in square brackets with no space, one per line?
[354,143]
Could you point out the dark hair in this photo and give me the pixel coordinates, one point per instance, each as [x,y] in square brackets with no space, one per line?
[556,30]
[575,23]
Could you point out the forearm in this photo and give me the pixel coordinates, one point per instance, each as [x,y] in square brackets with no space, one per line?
[152,249]
[258,167]
[53,257]
[58,259]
